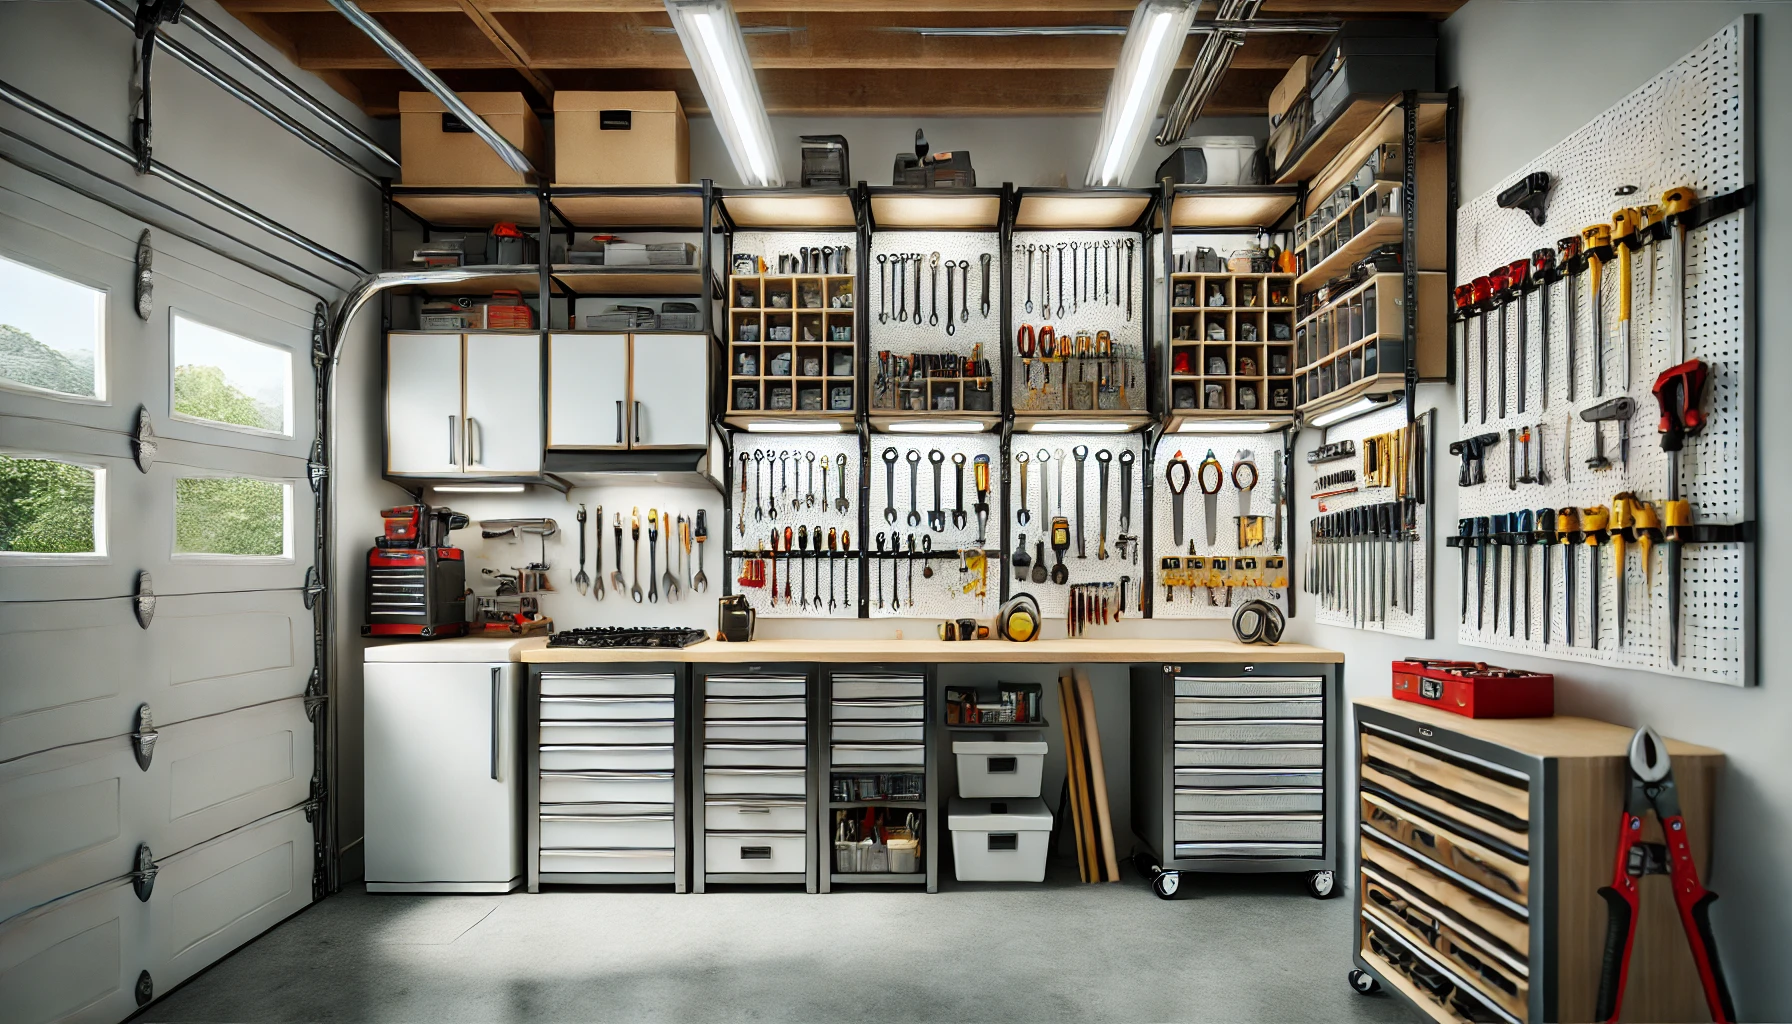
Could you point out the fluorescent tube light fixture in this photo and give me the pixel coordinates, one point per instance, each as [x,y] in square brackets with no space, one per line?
[718,54]
[1229,426]
[1153,42]
[935,427]
[792,427]
[1367,403]
[478,488]
[1079,427]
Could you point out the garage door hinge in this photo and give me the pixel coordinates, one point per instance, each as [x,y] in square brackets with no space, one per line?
[146,284]
[320,336]
[316,471]
[143,879]
[144,603]
[143,442]
[314,695]
[143,741]
[314,586]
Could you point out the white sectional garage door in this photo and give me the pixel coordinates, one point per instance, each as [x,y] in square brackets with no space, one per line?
[223,522]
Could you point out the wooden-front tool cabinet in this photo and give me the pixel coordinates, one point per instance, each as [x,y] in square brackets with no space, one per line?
[1482,845]
[606,798]
[753,776]
[1234,768]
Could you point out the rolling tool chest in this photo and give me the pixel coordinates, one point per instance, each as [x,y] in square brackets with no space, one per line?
[880,823]
[1482,847]
[606,798]
[754,785]
[1234,768]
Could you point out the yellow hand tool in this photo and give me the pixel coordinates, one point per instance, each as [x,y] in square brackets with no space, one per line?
[1650,228]
[1621,519]
[1598,243]
[1594,519]
[1567,525]
[1625,225]
[1675,201]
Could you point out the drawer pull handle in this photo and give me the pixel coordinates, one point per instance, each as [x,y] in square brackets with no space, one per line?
[1004,842]
[755,853]
[1002,765]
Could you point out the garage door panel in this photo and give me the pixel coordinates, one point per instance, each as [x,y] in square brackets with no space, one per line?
[73,961]
[215,774]
[225,651]
[213,899]
[66,827]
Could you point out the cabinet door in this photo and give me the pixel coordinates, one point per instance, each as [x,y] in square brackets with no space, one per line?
[424,429]
[442,776]
[503,403]
[671,391]
[588,391]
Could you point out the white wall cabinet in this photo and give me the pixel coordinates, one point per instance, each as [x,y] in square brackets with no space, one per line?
[444,779]
[463,404]
[628,392]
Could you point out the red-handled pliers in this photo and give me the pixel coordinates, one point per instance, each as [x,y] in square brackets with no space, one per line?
[1652,786]
[1024,341]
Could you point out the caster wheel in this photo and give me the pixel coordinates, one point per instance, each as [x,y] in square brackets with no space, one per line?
[1364,982]
[1323,885]
[1166,884]
[1145,865]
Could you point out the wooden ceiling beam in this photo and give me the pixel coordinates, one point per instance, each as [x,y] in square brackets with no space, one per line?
[909,8]
[507,47]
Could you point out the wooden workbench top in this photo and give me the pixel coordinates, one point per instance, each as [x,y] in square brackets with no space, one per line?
[995,652]
[1557,736]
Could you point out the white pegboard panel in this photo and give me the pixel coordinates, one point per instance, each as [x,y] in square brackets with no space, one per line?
[1408,608]
[1688,126]
[1056,451]
[1266,452]
[768,245]
[940,596]
[902,337]
[1091,304]
[767,491]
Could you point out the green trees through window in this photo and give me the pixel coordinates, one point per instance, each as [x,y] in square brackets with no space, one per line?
[203,393]
[229,516]
[46,507]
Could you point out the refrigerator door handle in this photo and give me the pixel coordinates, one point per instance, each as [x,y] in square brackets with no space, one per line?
[497,709]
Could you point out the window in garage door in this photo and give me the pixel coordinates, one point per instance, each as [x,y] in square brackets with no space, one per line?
[223,521]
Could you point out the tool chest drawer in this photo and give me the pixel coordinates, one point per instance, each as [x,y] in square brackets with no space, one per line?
[560,732]
[878,710]
[886,732]
[1190,686]
[773,730]
[602,861]
[755,781]
[854,754]
[755,852]
[1240,731]
[1249,778]
[1276,755]
[755,755]
[1254,851]
[755,686]
[1499,974]
[755,815]
[1234,801]
[1267,828]
[594,684]
[1249,707]
[645,831]
[597,757]
[852,687]
[1468,784]
[606,709]
[1489,863]
[791,708]
[574,787]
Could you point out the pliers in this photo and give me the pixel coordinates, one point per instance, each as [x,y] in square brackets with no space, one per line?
[1652,786]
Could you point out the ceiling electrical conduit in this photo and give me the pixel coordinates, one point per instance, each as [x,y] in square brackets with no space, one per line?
[512,157]
[211,73]
[1210,66]
[100,140]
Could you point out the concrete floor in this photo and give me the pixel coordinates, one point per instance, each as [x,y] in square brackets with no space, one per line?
[1237,948]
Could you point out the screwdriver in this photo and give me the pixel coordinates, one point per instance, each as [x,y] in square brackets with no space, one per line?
[1621,520]
[1598,240]
[1625,222]
[1677,393]
[1568,259]
[1501,526]
[1567,525]
[1480,530]
[1593,522]
[1546,528]
[1465,529]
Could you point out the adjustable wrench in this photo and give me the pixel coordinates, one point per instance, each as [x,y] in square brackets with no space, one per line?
[890,458]
[914,507]
[1102,458]
[1081,453]
[1025,515]
[958,517]
[936,519]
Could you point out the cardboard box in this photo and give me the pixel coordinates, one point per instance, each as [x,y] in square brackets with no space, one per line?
[620,138]
[1292,85]
[436,149]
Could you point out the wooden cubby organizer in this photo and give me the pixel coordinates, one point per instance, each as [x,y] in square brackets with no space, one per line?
[792,346]
[1354,343]
[1233,332]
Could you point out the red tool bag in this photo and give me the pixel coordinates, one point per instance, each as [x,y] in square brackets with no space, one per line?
[1475,688]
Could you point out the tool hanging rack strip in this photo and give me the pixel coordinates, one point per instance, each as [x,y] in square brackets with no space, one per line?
[1211,578]
[1368,541]
[1687,128]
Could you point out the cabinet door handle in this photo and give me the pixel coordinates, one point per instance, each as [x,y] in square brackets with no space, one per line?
[637,422]
[453,436]
[467,442]
[497,709]
[619,421]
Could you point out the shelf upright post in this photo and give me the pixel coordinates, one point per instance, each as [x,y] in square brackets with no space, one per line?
[1167,201]
[544,265]
[1005,358]
[1409,240]
[862,348]
[1452,165]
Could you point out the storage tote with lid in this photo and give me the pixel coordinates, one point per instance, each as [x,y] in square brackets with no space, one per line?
[1005,764]
[999,840]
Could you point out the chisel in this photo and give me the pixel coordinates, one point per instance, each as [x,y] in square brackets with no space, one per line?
[1567,525]
[1482,297]
[1625,222]
[1524,526]
[1621,520]
[1593,522]
[1501,534]
[1502,297]
[1546,530]
[1677,393]
[1568,264]
[1598,242]
[1543,271]
[1518,280]
[1479,532]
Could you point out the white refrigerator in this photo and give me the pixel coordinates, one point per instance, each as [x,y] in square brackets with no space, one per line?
[443,769]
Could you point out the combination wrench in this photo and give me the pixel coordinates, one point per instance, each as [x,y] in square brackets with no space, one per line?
[914,507]
[1030,248]
[936,519]
[1025,515]
[883,287]
[890,458]
[1102,458]
[958,517]
[1081,453]
[933,316]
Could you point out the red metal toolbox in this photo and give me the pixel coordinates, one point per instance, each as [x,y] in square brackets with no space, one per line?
[1475,688]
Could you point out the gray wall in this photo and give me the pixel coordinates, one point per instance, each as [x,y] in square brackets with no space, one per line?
[1527,82]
